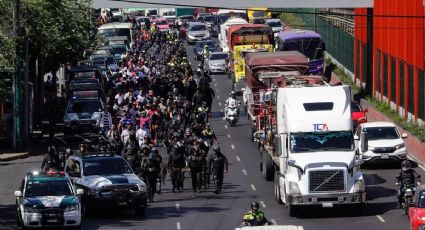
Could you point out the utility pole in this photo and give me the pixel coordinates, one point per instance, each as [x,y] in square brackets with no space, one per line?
[26,99]
[17,140]
[369,56]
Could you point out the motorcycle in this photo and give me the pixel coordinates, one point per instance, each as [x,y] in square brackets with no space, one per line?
[232,113]
[407,198]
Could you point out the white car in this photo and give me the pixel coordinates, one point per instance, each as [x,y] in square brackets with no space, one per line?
[380,141]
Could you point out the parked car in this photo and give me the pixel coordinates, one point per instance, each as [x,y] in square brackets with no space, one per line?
[216,63]
[199,47]
[416,211]
[107,179]
[380,141]
[358,114]
[48,200]
[197,31]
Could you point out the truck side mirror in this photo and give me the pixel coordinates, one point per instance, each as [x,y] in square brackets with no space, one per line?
[364,142]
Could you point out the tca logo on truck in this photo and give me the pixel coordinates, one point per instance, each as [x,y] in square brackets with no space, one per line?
[320,127]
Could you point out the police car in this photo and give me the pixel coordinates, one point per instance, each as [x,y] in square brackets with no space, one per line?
[107,179]
[48,200]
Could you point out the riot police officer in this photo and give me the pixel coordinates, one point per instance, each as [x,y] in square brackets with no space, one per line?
[176,163]
[219,166]
[51,160]
[131,152]
[197,165]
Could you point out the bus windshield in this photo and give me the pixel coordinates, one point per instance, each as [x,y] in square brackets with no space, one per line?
[306,46]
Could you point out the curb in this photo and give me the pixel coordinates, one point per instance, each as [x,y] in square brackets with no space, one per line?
[15,157]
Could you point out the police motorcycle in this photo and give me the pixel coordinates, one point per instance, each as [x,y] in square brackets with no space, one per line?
[408,179]
[232,110]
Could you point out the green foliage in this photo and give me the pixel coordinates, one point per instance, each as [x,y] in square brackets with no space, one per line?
[7,41]
[415,129]
[292,21]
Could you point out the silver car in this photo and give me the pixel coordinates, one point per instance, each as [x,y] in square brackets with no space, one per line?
[197,31]
[216,63]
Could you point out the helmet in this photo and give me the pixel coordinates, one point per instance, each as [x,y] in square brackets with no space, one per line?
[232,93]
[406,163]
[255,205]
[216,148]
[154,150]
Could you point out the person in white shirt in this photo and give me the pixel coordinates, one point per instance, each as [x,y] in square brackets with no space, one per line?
[141,134]
[119,98]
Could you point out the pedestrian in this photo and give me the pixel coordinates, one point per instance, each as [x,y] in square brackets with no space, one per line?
[219,166]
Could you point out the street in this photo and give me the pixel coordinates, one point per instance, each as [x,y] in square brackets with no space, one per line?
[243,184]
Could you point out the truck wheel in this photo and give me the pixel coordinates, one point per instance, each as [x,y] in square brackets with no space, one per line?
[268,170]
[277,188]
[292,210]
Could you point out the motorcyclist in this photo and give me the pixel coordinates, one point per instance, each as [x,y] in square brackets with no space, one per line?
[197,165]
[255,217]
[218,164]
[51,160]
[231,102]
[176,163]
[407,178]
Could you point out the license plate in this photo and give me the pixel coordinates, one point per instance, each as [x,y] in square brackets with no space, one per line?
[327,205]
[384,156]
[52,220]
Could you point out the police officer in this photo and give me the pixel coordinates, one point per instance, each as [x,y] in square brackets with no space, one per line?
[176,163]
[219,165]
[149,172]
[255,217]
[131,152]
[407,177]
[208,134]
[51,160]
[197,165]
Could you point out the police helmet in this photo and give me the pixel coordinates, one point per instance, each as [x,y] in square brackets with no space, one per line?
[255,205]
[232,93]
[406,163]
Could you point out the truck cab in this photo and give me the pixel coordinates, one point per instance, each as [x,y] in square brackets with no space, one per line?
[314,151]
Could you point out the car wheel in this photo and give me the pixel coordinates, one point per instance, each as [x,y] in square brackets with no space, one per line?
[140,211]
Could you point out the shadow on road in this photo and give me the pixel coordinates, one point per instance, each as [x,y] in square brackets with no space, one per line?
[375,192]
[7,217]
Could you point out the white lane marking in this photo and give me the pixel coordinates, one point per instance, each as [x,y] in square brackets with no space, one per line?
[238,158]
[223,118]
[244,172]
[253,187]
[380,218]
[179,226]
[213,79]
[177,206]
[215,84]
[273,221]
[263,204]
[232,146]
[219,104]
[226,127]
[228,136]
[218,97]
[300,228]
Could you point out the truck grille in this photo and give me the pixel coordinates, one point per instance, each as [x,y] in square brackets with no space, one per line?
[326,181]
[384,150]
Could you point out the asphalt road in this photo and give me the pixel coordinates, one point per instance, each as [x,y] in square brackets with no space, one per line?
[242,185]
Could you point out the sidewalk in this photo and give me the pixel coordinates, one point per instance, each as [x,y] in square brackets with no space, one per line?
[13,156]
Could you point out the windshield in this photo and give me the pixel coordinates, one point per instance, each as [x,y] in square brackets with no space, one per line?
[198,28]
[108,166]
[209,18]
[218,56]
[258,14]
[321,141]
[305,46]
[379,133]
[119,50]
[275,24]
[79,75]
[48,188]
[161,22]
[421,200]
[84,106]
[117,32]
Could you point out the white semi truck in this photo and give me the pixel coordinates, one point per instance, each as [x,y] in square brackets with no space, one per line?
[309,148]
